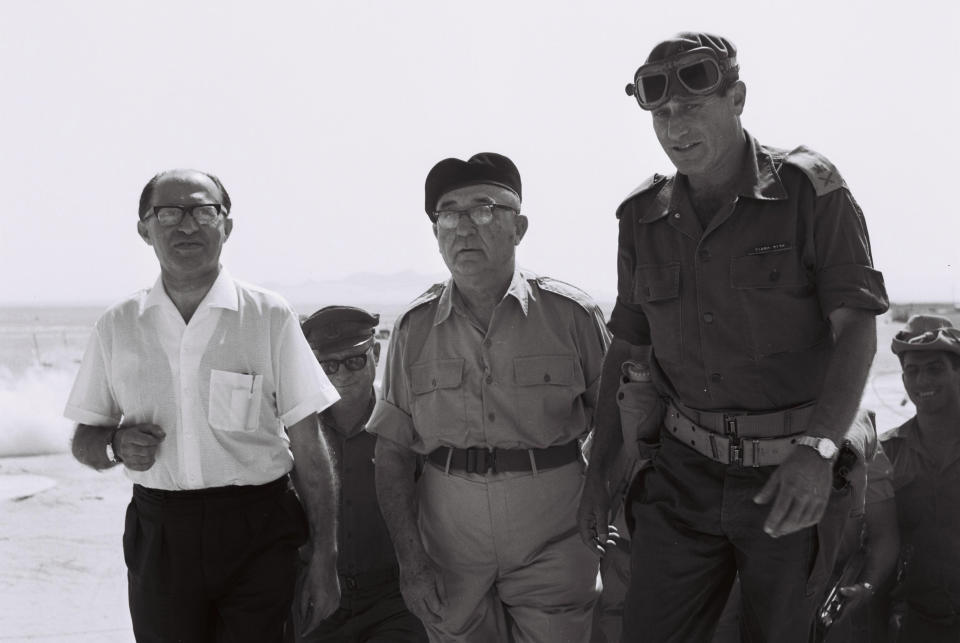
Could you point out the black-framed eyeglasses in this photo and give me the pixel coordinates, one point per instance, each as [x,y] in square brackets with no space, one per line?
[352,363]
[479,214]
[207,214]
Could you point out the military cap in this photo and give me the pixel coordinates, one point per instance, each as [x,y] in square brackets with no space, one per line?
[685,41]
[485,167]
[337,328]
[927,333]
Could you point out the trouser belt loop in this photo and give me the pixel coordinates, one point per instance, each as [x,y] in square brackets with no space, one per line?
[756,454]
[446,468]
[713,447]
[533,462]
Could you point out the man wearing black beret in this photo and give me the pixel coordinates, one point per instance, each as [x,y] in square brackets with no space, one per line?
[371,607]
[491,377]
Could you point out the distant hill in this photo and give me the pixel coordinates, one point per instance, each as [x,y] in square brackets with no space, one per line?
[385,293]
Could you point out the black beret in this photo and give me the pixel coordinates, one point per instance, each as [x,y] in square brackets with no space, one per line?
[485,167]
[337,328]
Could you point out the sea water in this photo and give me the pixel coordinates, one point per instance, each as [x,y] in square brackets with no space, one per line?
[41,349]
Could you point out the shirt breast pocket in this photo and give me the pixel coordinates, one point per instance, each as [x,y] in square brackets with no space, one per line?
[779,302]
[234,401]
[547,390]
[657,290]
[437,404]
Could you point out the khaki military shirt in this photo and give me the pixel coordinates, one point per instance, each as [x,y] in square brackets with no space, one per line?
[529,381]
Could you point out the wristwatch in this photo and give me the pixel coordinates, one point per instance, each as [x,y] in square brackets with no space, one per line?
[111,454]
[824,446]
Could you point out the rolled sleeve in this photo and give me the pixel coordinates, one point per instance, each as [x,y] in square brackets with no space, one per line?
[844,266]
[879,479]
[391,417]
[302,386]
[91,399]
[627,321]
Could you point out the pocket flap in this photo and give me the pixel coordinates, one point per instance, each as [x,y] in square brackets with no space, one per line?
[772,270]
[544,369]
[655,283]
[441,373]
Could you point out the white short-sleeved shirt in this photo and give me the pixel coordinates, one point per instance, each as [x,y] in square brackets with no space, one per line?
[222,386]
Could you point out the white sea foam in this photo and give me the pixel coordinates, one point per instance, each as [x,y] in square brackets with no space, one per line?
[31,410]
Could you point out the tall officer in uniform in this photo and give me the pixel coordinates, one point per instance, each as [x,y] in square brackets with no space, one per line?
[371,607]
[746,283]
[491,377]
[205,390]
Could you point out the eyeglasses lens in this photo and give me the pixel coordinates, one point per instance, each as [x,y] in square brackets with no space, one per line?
[480,215]
[353,363]
[700,76]
[203,214]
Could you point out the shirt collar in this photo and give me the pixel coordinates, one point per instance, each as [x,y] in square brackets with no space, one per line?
[222,294]
[519,289]
[758,179]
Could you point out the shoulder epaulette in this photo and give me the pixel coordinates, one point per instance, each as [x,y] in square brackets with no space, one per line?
[822,173]
[569,291]
[647,185]
[431,294]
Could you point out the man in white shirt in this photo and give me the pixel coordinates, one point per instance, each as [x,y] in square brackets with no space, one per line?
[206,390]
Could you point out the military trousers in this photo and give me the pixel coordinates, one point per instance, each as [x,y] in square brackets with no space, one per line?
[696,528]
[510,554]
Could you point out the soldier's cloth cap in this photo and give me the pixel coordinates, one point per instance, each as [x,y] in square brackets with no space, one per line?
[485,167]
[337,328]
[684,42]
[927,333]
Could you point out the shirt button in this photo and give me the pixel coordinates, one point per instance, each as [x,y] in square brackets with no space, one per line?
[676,215]
[489,379]
[487,343]
[716,377]
[546,377]
[708,317]
[491,416]
[704,255]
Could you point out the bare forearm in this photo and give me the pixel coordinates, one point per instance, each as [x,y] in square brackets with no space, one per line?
[315,480]
[883,541]
[396,494]
[90,445]
[854,348]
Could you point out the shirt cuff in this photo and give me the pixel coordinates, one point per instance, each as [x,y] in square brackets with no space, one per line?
[83,416]
[315,404]
[851,286]
[392,423]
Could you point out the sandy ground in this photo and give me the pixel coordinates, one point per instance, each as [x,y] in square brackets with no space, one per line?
[62,576]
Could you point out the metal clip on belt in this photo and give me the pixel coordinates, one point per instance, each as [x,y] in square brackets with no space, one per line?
[729,448]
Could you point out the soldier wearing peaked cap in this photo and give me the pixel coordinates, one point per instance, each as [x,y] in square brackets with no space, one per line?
[491,377]
[745,283]
[371,607]
[925,452]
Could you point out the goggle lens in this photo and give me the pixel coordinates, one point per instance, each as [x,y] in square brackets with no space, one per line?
[700,76]
[696,73]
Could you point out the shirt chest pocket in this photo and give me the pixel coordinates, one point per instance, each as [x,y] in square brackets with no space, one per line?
[234,401]
[547,392]
[779,302]
[657,290]
[437,403]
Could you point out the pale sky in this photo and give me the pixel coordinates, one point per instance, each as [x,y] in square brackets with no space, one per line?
[323,119]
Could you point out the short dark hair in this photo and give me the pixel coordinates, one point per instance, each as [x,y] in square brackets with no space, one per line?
[151,185]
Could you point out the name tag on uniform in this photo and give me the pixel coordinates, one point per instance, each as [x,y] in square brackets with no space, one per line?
[769,248]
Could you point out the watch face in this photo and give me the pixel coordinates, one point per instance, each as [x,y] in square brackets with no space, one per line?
[827,448]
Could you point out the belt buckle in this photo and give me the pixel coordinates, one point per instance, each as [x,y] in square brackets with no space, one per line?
[481,460]
[735,447]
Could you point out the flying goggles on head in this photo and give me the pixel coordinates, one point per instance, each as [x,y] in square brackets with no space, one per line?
[697,72]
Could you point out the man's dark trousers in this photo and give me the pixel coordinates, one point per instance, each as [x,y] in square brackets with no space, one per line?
[213,564]
[696,526]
